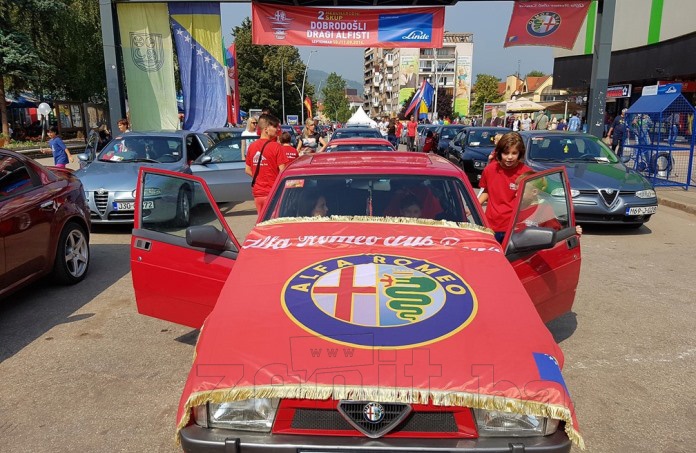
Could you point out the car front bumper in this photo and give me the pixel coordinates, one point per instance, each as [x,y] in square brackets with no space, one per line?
[197,439]
[591,209]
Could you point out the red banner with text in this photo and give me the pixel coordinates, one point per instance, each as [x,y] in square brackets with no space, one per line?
[548,23]
[344,27]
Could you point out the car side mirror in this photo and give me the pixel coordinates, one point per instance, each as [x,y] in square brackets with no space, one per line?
[207,237]
[625,159]
[205,160]
[84,157]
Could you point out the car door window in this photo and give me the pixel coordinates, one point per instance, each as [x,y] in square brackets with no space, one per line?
[15,177]
[193,148]
[205,140]
[170,205]
[543,203]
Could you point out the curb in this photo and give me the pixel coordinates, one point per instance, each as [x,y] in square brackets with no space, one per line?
[690,209]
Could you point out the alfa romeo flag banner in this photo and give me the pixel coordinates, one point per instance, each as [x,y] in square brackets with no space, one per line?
[549,23]
[198,36]
[344,27]
[148,60]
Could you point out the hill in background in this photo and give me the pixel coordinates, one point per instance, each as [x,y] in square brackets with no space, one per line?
[314,76]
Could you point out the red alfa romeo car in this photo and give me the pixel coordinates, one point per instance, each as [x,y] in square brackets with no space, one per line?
[371,309]
[44,224]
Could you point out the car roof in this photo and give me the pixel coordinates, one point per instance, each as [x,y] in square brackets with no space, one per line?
[359,141]
[371,162]
[554,134]
[360,128]
[488,128]
[162,133]
[224,129]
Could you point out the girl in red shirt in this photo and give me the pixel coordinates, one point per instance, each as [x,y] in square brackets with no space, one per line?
[498,182]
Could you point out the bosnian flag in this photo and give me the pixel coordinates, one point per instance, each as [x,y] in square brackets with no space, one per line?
[553,24]
[423,98]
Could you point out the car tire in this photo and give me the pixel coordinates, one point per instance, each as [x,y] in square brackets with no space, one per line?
[183,208]
[72,255]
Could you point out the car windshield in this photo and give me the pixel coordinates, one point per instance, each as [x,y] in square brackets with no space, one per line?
[481,138]
[449,132]
[229,150]
[355,132]
[565,148]
[358,147]
[145,148]
[436,198]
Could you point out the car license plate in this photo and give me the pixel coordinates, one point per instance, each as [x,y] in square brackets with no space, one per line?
[124,206]
[148,205]
[641,210]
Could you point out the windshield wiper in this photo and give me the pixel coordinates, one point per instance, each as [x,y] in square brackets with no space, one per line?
[544,159]
[142,160]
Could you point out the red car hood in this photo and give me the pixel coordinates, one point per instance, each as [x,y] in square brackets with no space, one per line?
[413,313]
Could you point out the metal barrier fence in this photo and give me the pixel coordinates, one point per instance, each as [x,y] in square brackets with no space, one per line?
[661,145]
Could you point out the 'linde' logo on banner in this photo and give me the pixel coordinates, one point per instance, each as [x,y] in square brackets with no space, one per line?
[405,27]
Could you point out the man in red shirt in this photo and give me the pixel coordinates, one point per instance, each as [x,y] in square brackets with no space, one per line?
[411,133]
[265,160]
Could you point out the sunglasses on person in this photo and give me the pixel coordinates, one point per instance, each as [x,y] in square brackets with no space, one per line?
[254,122]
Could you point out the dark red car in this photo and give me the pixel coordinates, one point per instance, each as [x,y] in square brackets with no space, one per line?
[44,224]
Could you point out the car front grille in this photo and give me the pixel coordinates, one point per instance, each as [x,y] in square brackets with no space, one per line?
[101,201]
[332,420]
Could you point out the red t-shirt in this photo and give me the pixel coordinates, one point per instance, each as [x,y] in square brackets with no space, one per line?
[399,128]
[290,152]
[539,215]
[428,145]
[273,156]
[501,188]
[411,128]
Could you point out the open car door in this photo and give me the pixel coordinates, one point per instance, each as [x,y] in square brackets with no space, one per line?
[542,244]
[182,249]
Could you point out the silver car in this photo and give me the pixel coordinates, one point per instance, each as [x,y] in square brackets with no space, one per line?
[110,176]
[222,166]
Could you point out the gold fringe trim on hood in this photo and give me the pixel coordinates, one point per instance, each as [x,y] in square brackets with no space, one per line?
[382,220]
[401,395]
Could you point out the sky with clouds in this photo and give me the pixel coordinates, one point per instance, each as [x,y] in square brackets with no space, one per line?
[487,20]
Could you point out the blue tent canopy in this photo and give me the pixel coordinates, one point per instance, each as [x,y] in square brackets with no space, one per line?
[659,103]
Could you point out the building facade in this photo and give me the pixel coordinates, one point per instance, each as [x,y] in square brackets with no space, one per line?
[652,43]
[391,76]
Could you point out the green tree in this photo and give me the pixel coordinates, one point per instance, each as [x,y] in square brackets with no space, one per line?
[260,81]
[535,73]
[335,101]
[486,90]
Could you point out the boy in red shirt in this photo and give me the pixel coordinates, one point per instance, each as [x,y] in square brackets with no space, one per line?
[265,160]
[429,143]
[285,141]
[411,133]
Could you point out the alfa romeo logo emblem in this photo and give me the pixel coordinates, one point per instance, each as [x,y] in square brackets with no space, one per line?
[543,24]
[380,301]
[373,412]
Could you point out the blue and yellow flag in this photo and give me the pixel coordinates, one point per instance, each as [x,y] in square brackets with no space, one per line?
[148,60]
[198,36]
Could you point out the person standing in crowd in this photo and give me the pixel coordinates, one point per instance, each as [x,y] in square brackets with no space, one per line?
[285,141]
[574,123]
[498,182]
[310,139]
[61,155]
[123,126]
[252,128]
[617,132]
[411,127]
[399,131]
[525,123]
[542,121]
[391,132]
[265,160]
[516,123]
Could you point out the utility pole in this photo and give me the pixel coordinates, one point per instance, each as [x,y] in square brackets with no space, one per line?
[282,87]
[435,101]
[518,69]
[601,59]
[304,79]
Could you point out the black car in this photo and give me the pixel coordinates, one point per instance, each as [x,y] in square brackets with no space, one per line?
[471,147]
[444,134]
[603,189]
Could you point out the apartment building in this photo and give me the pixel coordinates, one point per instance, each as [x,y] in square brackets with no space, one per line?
[391,76]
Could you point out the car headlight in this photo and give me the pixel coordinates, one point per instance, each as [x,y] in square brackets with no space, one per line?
[508,424]
[248,415]
[647,193]
[149,192]
[480,164]
[560,192]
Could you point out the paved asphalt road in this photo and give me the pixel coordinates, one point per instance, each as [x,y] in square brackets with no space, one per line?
[82,371]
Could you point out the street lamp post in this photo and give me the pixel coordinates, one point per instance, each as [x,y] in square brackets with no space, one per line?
[301,101]
[304,79]
[282,87]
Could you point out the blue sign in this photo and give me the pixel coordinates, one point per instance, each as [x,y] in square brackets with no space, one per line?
[292,120]
[670,88]
[406,27]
